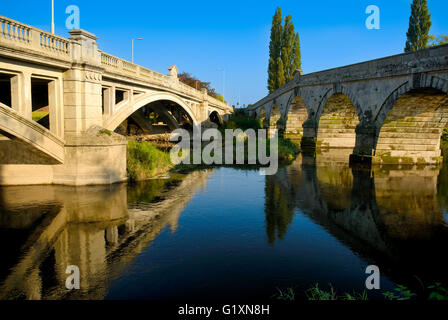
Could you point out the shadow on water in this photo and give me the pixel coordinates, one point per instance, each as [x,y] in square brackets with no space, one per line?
[391,216]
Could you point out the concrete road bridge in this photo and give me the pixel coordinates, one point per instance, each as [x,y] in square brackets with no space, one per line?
[64,106]
[389,110]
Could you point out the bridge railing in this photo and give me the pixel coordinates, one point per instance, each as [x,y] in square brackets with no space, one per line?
[17,35]
[120,66]
[21,35]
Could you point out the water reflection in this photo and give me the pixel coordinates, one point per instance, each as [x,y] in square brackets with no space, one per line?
[391,216]
[320,215]
[47,228]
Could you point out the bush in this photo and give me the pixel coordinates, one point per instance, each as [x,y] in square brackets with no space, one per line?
[242,122]
[145,161]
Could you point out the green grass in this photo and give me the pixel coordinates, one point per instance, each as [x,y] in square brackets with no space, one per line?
[401,293]
[37,115]
[145,161]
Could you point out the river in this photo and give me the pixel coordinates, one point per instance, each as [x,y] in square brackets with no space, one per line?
[228,233]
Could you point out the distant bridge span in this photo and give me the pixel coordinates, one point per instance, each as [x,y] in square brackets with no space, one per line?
[389,110]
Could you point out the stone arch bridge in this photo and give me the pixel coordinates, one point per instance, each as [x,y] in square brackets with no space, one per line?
[62,99]
[389,110]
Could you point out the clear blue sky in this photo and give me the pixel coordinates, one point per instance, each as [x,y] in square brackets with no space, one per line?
[202,36]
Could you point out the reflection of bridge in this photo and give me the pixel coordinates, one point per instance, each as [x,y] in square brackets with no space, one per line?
[60,98]
[393,218]
[393,109]
[90,227]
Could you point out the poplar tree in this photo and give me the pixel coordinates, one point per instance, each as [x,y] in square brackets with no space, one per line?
[419,26]
[275,48]
[284,52]
[281,78]
[287,53]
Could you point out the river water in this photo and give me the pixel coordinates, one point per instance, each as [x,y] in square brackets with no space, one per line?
[228,233]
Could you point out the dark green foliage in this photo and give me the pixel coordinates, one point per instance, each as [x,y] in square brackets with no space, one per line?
[438,292]
[284,52]
[419,26]
[275,48]
[242,122]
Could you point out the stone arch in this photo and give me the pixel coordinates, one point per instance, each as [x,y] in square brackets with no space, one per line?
[410,123]
[296,114]
[420,82]
[338,89]
[337,119]
[127,110]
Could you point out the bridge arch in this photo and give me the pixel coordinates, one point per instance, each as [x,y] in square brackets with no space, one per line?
[49,147]
[296,114]
[216,118]
[338,89]
[410,123]
[337,118]
[130,108]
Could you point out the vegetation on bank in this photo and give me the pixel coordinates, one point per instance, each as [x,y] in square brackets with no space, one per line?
[287,149]
[444,145]
[145,161]
[400,293]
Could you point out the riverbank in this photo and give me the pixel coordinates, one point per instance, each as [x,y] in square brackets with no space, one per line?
[150,159]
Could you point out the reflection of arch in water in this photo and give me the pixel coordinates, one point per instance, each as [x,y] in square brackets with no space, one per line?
[375,224]
[105,237]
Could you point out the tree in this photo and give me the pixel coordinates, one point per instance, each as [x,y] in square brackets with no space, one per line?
[419,26]
[284,52]
[281,79]
[197,84]
[275,47]
[437,41]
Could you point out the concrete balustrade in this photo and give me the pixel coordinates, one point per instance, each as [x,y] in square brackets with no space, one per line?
[78,85]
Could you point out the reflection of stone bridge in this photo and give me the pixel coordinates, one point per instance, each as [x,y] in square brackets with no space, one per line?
[390,217]
[393,109]
[90,227]
[60,100]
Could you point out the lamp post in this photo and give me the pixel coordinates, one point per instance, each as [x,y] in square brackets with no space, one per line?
[133,48]
[223,82]
[52,16]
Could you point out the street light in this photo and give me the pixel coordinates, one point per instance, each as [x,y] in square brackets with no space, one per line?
[223,82]
[52,16]
[133,48]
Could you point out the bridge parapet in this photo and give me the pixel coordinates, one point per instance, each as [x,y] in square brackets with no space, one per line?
[16,35]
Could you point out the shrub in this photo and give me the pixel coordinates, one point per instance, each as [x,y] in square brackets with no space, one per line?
[145,161]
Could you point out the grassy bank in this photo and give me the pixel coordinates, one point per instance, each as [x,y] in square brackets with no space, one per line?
[435,291]
[145,161]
